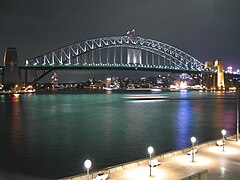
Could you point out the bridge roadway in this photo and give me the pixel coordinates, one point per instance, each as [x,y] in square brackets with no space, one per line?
[113,67]
[178,165]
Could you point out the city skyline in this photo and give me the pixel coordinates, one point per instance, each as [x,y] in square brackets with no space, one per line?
[207,30]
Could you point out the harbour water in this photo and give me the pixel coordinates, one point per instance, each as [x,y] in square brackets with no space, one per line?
[50,135]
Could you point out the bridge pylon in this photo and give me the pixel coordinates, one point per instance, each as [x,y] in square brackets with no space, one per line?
[220,74]
[214,79]
[11,67]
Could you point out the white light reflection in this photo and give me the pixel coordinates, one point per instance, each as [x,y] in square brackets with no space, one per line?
[227,151]
[145,101]
[222,171]
[142,173]
[199,161]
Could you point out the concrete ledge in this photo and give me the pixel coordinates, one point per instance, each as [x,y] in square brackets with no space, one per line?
[202,175]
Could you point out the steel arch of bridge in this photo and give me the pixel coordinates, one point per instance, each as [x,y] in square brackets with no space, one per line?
[69,56]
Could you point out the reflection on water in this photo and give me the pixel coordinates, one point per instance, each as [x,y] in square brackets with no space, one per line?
[50,135]
[183,122]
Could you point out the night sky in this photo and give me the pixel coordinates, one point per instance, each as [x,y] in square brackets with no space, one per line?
[206,29]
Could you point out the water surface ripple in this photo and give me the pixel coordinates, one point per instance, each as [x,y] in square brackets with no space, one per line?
[50,135]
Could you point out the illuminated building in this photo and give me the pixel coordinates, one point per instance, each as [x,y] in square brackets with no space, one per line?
[230,69]
[55,80]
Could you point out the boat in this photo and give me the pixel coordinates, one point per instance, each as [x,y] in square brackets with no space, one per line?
[108,88]
[138,89]
[156,90]
[28,89]
[145,97]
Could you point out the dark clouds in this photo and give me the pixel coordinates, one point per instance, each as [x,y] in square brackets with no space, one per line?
[206,29]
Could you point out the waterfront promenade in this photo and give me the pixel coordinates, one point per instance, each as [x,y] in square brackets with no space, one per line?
[210,162]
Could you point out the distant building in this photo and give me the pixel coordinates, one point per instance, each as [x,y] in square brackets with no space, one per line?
[11,68]
[55,80]
[230,69]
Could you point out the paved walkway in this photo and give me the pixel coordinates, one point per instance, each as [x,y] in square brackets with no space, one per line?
[220,164]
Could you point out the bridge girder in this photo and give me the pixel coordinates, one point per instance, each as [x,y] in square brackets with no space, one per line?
[64,56]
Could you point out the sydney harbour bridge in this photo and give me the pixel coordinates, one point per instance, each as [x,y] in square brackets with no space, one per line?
[112,53]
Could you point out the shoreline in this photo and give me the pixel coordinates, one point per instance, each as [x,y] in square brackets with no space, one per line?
[103,90]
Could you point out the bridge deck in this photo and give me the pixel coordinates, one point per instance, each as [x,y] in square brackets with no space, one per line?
[130,68]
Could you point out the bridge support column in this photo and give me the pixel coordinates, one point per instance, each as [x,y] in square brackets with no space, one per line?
[1,75]
[220,74]
[11,67]
[215,80]
[26,77]
[208,80]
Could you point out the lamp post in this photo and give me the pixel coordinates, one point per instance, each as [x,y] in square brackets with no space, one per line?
[237,134]
[223,133]
[150,151]
[193,140]
[87,164]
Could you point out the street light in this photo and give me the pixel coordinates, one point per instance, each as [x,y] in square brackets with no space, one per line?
[223,133]
[87,164]
[150,151]
[237,134]
[193,140]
